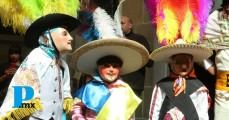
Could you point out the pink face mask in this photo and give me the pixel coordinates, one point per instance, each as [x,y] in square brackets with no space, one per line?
[109,72]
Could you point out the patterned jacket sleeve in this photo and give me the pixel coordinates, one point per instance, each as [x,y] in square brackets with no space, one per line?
[157,99]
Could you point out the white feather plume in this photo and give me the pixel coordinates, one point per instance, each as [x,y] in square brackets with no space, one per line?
[117,19]
[104,23]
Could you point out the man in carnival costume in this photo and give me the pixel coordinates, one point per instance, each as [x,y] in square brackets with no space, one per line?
[180,95]
[180,26]
[44,70]
[106,96]
[216,38]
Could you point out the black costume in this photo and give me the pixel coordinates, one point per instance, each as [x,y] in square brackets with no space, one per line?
[136,79]
[5,84]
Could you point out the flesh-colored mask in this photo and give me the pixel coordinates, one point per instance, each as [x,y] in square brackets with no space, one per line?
[109,72]
[62,40]
[182,64]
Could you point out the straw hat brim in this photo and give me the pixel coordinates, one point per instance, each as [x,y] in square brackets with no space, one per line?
[48,22]
[163,54]
[133,55]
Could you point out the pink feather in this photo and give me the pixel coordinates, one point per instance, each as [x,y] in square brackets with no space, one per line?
[205,7]
[151,6]
[199,13]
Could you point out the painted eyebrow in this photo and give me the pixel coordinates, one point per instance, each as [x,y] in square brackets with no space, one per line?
[65,32]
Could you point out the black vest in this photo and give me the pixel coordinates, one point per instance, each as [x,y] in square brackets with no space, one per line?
[183,101]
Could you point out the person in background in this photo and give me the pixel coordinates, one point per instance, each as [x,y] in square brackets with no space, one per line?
[44,71]
[216,37]
[135,79]
[7,70]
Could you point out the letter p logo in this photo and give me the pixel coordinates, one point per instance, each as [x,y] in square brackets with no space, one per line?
[18,95]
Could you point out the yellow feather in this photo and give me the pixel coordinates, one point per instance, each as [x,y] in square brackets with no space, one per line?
[15,12]
[69,7]
[167,27]
[33,8]
[190,28]
[12,15]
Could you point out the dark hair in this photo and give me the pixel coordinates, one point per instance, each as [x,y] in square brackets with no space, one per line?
[224,3]
[109,59]
[15,49]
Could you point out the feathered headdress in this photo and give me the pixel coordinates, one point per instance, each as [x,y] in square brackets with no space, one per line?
[21,13]
[105,37]
[175,19]
[104,23]
[98,24]
[12,15]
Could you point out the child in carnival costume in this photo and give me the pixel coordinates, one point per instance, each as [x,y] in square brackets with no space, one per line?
[43,70]
[106,96]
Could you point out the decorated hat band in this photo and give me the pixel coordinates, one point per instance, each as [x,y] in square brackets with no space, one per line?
[48,22]
[198,52]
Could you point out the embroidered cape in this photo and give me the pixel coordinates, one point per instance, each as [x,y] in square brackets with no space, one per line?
[31,71]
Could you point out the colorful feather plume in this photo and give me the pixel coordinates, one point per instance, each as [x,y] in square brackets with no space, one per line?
[33,8]
[38,8]
[189,17]
[97,24]
[175,19]
[190,28]
[151,6]
[167,21]
[21,13]
[117,19]
[87,29]
[104,23]
[12,15]
[204,13]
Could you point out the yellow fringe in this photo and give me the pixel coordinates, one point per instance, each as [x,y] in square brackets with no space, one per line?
[19,113]
[68,105]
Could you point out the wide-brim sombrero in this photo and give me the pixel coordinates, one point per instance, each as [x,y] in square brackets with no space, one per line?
[133,55]
[46,22]
[164,53]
